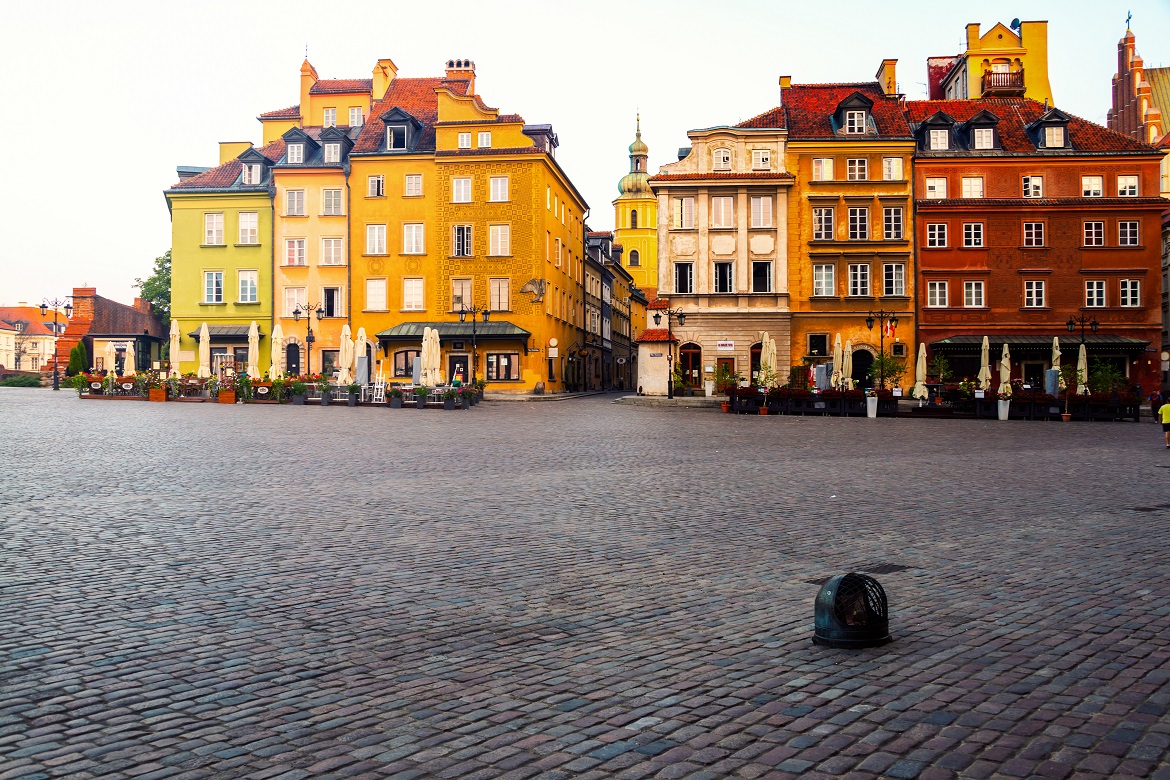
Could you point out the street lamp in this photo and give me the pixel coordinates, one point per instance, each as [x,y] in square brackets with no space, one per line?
[882,317]
[682,318]
[1083,322]
[308,310]
[55,304]
[465,310]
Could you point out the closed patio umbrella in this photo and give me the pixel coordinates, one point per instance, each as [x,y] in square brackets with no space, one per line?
[1005,371]
[359,348]
[920,372]
[985,365]
[128,360]
[174,351]
[1056,358]
[1082,372]
[345,359]
[253,350]
[275,345]
[111,356]
[847,365]
[204,352]
[838,378]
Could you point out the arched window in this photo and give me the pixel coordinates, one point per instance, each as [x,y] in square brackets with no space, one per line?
[721,160]
[635,260]
[634,218]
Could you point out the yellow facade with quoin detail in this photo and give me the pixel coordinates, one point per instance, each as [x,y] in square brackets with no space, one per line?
[635,215]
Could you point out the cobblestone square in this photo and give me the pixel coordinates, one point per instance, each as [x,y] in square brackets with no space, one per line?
[573,589]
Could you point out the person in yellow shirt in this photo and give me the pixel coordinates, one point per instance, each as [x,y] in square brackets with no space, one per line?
[1164,414]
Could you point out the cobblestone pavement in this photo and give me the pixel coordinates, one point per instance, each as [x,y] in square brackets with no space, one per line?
[578,589]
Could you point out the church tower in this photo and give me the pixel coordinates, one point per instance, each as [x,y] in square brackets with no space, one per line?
[635,214]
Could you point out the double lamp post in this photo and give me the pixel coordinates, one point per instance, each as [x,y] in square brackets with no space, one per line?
[682,318]
[55,305]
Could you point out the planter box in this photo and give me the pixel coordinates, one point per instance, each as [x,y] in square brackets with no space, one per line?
[449,404]
[420,401]
[298,400]
[395,403]
[353,399]
[157,394]
[227,397]
[262,392]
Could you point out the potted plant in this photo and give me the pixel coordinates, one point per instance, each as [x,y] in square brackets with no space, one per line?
[244,387]
[395,398]
[279,390]
[297,389]
[155,391]
[480,385]
[354,391]
[420,396]
[174,387]
[1005,400]
[1070,378]
[449,398]
[466,394]
[324,388]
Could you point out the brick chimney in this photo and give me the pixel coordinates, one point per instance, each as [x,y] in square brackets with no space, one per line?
[886,77]
[383,73]
[462,70]
[143,305]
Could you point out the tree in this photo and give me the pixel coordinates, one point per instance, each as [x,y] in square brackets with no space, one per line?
[78,362]
[21,342]
[156,288]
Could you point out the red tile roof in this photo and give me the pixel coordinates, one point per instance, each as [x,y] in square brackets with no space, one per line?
[601,234]
[225,175]
[1014,115]
[30,315]
[808,108]
[292,112]
[415,96]
[656,335]
[335,86]
[721,176]
[658,303]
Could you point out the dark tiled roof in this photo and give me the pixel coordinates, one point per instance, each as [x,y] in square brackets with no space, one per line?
[112,318]
[334,86]
[415,96]
[1041,202]
[413,331]
[224,176]
[721,176]
[498,120]
[292,112]
[225,331]
[493,150]
[808,109]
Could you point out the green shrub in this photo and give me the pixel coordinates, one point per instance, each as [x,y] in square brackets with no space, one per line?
[77,361]
[21,380]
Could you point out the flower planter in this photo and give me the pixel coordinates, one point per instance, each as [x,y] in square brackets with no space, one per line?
[725,406]
[227,396]
[353,399]
[871,406]
[395,403]
[764,410]
[465,402]
[420,401]
[325,397]
[298,400]
[1065,417]
[1004,409]
[449,404]
[157,394]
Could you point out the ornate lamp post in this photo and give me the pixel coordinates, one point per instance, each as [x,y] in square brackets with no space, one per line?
[882,317]
[308,310]
[1083,322]
[464,311]
[682,318]
[55,305]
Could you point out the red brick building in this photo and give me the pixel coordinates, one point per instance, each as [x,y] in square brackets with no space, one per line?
[1025,217]
[97,320]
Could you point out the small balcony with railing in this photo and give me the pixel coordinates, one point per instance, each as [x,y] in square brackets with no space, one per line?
[1003,83]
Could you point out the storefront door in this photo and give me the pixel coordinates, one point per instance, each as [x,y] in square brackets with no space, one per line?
[457,366]
[691,357]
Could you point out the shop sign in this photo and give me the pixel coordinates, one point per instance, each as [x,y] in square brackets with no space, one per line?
[725,346]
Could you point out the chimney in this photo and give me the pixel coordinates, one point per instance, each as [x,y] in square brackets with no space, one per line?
[230,150]
[462,70]
[785,83]
[384,72]
[972,36]
[886,77]
[308,79]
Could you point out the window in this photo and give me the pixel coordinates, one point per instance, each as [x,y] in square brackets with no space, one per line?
[722,215]
[1095,293]
[856,169]
[936,189]
[294,251]
[895,279]
[761,276]
[1053,137]
[1092,186]
[294,297]
[635,258]
[500,294]
[858,279]
[824,282]
[503,366]
[331,302]
[499,189]
[1094,234]
[984,138]
[329,361]
[721,160]
[854,122]
[972,234]
[213,229]
[375,294]
[213,286]
[332,202]
[1034,293]
[972,186]
[823,224]
[1033,234]
[462,241]
[404,362]
[355,117]
[761,159]
[858,223]
[485,140]
[412,239]
[331,251]
[1033,186]
[375,239]
[499,240]
[375,186]
[761,211]
[461,294]
[332,153]
[294,203]
[412,294]
[823,169]
[940,139]
[936,294]
[559,252]
[395,136]
[892,168]
[461,190]
[1127,186]
[818,343]
[252,173]
[1130,292]
[936,234]
[633,218]
[413,187]
[892,223]
[330,119]
[296,153]
[684,278]
[973,294]
[464,140]
[249,227]
[684,212]
[724,282]
[1127,233]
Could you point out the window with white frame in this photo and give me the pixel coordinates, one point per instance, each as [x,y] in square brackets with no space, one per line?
[461,190]
[973,294]
[1131,293]
[413,185]
[213,286]
[330,118]
[252,174]
[972,186]
[484,140]
[355,117]
[249,286]
[375,186]
[331,200]
[294,298]
[984,138]
[375,295]
[684,278]
[724,277]
[331,302]
[824,281]
[858,223]
[1033,186]
[936,294]
[498,189]
[499,240]
[412,239]
[761,211]
[1092,186]
[1127,186]
[762,276]
[1053,137]
[823,224]
[296,153]
[761,159]
[294,251]
[1127,233]
[892,168]
[858,279]
[294,203]
[1094,293]
[894,276]
[721,160]
[332,251]
[684,212]
[1033,234]
[936,234]
[1034,293]
[857,169]
[722,215]
[940,139]
[559,251]
[213,229]
[972,234]
[854,122]
[823,169]
[412,295]
[892,223]
[375,239]
[500,294]
[1094,234]
[464,140]
[332,153]
[461,241]
[936,188]
[249,227]
[461,294]
[395,137]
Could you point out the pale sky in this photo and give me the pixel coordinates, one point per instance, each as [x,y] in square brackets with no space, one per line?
[101,100]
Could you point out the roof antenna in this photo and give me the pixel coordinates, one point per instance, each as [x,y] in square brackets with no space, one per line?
[306,51]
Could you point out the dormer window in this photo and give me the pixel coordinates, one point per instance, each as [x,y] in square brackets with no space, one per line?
[355,116]
[984,138]
[330,119]
[296,153]
[396,136]
[721,160]
[332,153]
[940,140]
[761,159]
[854,122]
[253,172]
[1053,137]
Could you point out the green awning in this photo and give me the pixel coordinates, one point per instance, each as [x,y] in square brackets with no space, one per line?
[1094,342]
[412,332]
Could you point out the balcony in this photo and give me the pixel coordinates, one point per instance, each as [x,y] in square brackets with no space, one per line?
[1003,84]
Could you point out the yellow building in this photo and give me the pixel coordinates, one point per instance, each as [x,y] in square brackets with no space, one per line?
[1003,62]
[635,214]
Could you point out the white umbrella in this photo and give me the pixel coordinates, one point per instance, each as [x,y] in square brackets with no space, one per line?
[345,359]
[847,365]
[174,348]
[770,356]
[985,365]
[128,360]
[111,357]
[920,372]
[204,352]
[1005,371]
[838,378]
[427,358]
[436,376]
[1082,372]
[1056,360]
[253,350]
[359,348]
[275,344]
